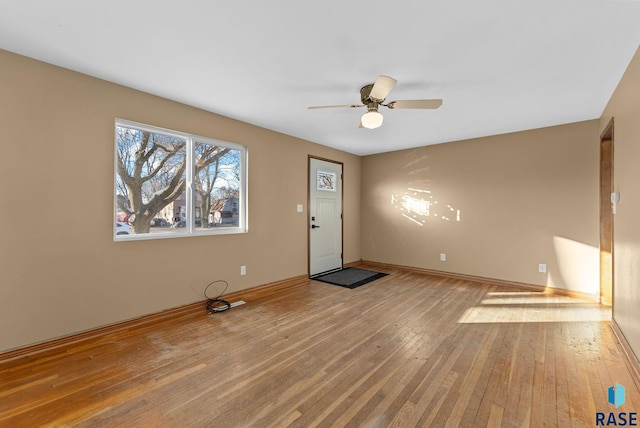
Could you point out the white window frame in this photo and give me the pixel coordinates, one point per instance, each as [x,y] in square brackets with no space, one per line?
[189,229]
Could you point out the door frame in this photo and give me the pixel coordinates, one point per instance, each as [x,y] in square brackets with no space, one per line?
[309,157]
[606,214]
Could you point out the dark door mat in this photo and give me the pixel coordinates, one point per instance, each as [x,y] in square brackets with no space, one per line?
[350,277]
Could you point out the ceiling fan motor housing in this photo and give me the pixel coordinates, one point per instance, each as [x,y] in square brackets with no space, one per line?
[365,97]
[365,93]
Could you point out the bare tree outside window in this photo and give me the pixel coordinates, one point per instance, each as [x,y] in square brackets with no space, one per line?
[152,170]
[217,184]
[151,174]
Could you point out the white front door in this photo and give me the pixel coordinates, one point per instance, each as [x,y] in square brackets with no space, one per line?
[325,216]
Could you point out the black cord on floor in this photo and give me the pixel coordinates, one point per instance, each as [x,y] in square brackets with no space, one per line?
[217,304]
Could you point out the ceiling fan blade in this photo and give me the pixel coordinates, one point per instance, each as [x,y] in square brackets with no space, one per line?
[423,104]
[338,106]
[381,88]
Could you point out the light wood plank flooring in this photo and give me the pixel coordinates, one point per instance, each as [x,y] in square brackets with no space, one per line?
[406,350]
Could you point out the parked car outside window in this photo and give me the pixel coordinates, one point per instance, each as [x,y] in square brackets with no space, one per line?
[122,228]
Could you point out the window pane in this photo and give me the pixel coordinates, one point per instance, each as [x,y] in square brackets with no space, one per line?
[171,184]
[150,182]
[216,186]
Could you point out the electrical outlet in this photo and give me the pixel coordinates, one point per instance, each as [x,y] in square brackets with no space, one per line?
[243,270]
[542,267]
[443,257]
[299,208]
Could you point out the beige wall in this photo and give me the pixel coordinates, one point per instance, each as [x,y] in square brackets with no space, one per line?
[62,273]
[524,198]
[624,108]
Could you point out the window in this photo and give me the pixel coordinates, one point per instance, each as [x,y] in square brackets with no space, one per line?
[170,184]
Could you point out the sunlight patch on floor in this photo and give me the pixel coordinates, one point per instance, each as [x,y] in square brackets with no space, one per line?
[518,307]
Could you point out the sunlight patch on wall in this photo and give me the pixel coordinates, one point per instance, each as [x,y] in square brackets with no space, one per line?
[578,266]
[419,205]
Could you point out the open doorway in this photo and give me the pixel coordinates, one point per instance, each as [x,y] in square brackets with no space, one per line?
[606,216]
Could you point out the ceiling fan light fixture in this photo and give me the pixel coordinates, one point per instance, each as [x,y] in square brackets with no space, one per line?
[372,119]
[374,95]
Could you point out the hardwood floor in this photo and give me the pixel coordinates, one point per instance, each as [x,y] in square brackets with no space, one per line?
[406,350]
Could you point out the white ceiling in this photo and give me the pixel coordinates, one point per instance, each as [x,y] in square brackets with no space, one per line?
[499,65]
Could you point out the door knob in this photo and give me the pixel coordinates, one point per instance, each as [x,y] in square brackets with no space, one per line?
[313,226]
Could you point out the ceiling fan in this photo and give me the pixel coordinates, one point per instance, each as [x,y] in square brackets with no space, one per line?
[374,94]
